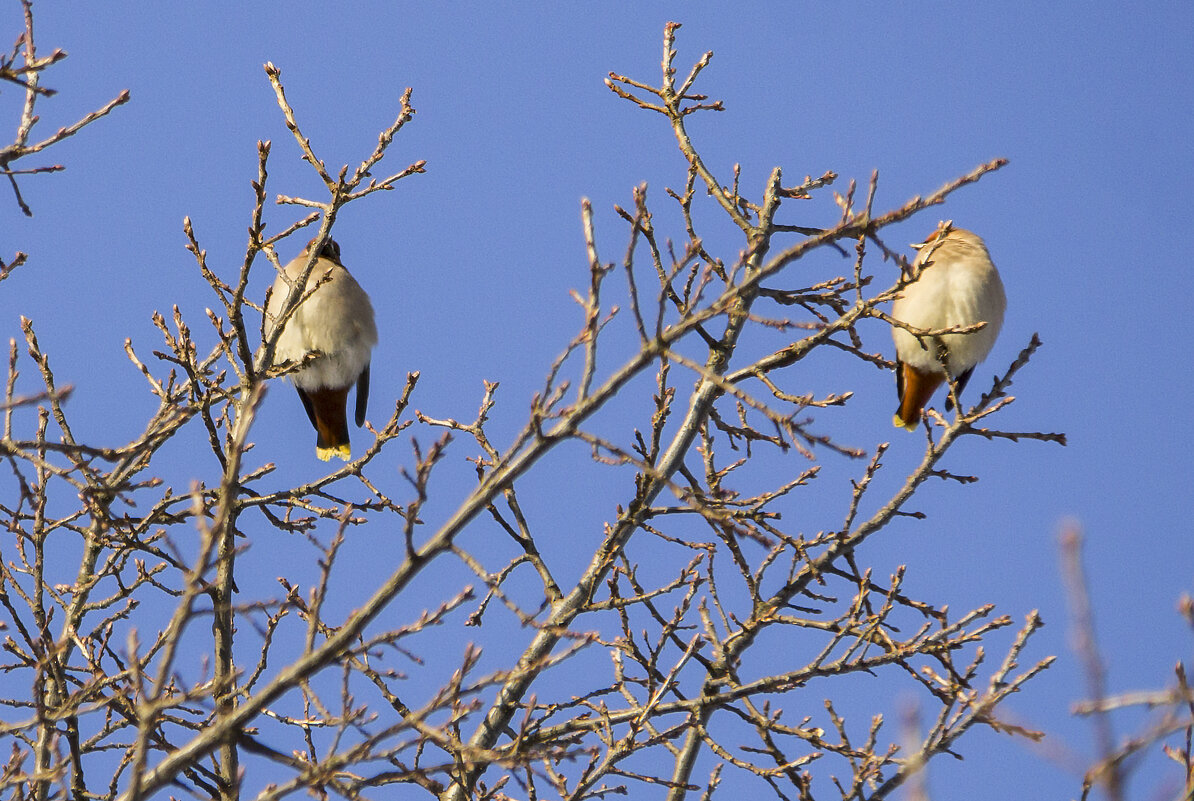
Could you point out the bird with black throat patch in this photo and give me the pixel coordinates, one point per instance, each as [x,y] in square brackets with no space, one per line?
[334,319]
[954,284]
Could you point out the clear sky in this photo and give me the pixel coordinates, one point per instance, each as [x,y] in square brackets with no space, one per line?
[470,264]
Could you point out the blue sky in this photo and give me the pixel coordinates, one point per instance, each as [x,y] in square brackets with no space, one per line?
[1089,223]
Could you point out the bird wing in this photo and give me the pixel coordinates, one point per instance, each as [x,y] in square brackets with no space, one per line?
[959,384]
[306,399]
[362,395]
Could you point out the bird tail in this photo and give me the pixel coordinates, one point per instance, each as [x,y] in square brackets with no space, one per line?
[325,454]
[329,407]
[915,390]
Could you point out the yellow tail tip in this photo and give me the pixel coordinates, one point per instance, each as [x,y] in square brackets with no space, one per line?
[898,422]
[326,454]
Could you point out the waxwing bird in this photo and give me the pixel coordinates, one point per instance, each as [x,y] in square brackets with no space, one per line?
[335,320]
[954,283]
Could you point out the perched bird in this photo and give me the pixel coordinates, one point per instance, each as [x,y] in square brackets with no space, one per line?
[954,283]
[336,320]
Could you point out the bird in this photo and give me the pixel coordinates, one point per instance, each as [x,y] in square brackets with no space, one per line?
[336,322]
[954,284]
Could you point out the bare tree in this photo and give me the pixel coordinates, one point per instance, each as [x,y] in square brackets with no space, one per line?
[1171,729]
[656,664]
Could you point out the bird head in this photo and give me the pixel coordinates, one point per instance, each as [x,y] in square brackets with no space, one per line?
[943,230]
[329,250]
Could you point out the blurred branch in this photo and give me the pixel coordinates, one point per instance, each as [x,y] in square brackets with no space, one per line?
[1115,759]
